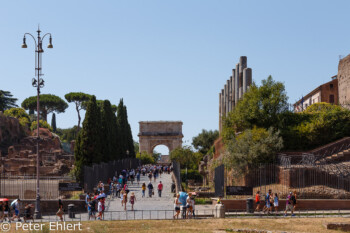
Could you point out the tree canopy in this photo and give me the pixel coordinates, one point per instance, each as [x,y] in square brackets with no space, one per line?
[48,104]
[186,157]
[260,106]
[204,141]
[89,146]
[79,99]
[251,148]
[109,129]
[124,139]
[7,101]
[20,114]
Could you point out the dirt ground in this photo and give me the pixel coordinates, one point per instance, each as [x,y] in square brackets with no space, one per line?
[204,225]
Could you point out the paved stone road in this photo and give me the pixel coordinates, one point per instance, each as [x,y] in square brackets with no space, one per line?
[154,203]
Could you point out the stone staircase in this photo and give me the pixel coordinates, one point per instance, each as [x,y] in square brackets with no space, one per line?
[341,156]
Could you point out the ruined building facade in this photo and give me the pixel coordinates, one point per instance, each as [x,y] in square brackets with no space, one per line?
[234,89]
[344,81]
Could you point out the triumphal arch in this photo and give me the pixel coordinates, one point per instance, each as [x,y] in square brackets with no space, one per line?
[154,133]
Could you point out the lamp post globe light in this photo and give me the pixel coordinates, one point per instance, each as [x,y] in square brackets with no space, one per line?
[37,82]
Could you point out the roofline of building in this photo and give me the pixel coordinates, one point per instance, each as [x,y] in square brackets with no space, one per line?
[315,91]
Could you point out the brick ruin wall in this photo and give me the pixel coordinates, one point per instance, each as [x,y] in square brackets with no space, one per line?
[344,81]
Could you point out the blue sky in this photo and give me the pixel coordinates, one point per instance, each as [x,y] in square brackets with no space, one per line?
[170,59]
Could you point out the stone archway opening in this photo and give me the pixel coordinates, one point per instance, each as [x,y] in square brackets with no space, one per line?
[161,151]
[155,133]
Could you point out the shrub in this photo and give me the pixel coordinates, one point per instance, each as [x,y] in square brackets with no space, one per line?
[42,124]
[191,175]
[145,158]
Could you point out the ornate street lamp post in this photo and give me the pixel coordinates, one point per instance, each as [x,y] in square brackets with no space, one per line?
[37,82]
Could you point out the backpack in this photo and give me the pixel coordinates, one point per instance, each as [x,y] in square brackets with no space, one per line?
[267,198]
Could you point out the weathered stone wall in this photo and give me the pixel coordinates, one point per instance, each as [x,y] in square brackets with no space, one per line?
[10,132]
[344,81]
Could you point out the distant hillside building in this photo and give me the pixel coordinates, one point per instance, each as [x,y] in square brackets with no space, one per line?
[344,81]
[327,92]
[234,88]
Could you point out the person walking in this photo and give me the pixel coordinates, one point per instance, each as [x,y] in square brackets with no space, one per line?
[138,177]
[121,197]
[143,187]
[15,206]
[294,201]
[6,211]
[92,209]
[189,205]
[275,202]
[289,205]
[125,199]
[257,201]
[132,200]
[150,189]
[160,189]
[99,209]
[60,210]
[177,204]
[150,176]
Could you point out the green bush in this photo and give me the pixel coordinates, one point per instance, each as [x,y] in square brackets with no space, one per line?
[191,175]
[42,124]
[145,158]
[319,124]
[67,135]
[20,114]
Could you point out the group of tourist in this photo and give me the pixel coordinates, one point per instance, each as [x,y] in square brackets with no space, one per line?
[6,209]
[118,188]
[187,202]
[272,202]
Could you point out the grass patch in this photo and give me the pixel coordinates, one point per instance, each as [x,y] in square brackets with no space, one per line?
[203,201]
[206,225]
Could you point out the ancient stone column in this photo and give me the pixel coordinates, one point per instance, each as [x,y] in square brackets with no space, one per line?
[222,102]
[228,108]
[243,63]
[237,84]
[232,81]
[247,79]
[225,99]
[220,114]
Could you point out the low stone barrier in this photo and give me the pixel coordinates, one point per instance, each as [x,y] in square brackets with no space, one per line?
[338,226]
[51,206]
[302,204]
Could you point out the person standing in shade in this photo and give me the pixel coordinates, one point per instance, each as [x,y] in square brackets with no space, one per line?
[160,189]
[150,189]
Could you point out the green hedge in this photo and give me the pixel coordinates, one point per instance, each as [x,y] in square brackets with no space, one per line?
[191,175]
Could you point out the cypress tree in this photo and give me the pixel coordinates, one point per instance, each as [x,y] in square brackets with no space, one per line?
[88,147]
[108,121]
[128,135]
[53,122]
[125,142]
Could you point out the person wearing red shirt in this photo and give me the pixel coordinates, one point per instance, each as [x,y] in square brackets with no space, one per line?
[257,201]
[160,188]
